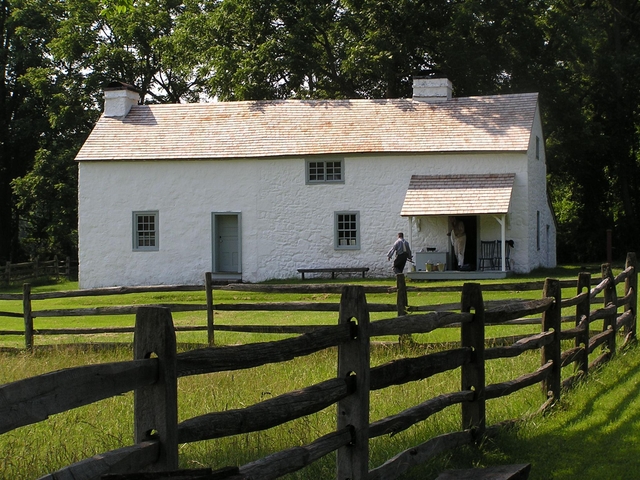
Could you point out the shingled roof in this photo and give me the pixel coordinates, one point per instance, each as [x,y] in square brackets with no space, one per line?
[303,127]
[458,194]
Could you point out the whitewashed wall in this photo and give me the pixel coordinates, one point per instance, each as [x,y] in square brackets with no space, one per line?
[544,253]
[286,224]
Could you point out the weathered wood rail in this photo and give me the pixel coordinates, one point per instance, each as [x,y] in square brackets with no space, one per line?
[154,381]
[55,268]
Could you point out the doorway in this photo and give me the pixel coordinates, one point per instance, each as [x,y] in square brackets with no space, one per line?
[471,249]
[226,244]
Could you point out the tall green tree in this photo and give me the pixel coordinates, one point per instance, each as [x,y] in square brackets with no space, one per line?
[26,27]
[492,46]
[255,49]
[592,103]
[86,47]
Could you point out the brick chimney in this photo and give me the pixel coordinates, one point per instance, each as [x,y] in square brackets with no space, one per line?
[119,98]
[431,89]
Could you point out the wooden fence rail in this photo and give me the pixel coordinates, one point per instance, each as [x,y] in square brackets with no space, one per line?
[154,382]
[55,268]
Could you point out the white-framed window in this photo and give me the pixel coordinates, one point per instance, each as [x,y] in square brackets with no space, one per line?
[145,231]
[347,230]
[325,170]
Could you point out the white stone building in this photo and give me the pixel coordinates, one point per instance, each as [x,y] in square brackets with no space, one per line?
[255,190]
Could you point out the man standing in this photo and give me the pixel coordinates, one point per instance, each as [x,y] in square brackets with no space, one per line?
[403,253]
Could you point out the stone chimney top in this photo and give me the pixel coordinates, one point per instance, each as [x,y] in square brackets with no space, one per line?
[431,89]
[119,98]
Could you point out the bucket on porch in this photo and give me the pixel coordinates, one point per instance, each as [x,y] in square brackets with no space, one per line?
[429,267]
[441,267]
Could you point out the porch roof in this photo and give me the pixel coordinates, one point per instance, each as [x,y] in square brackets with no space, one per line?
[458,194]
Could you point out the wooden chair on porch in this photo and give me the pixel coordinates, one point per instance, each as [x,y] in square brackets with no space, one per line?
[487,255]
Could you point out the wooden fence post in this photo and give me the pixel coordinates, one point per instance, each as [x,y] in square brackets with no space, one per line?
[631,285]
[473,373]
[552,320]
[209,295]
[610,298]
[402,302]
[401,297]
[156,406]
[28,317]
[353,411]
[583,310]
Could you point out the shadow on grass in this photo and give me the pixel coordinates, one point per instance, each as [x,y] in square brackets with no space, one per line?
[592,434]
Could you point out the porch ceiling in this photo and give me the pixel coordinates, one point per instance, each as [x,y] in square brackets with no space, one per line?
[458,194]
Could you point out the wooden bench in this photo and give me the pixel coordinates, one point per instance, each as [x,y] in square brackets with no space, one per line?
[333,271]
[501,472]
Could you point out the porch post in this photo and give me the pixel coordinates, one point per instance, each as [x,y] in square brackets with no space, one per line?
[503,247]
[503,233]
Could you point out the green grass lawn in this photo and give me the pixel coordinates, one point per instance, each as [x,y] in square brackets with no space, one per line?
[589,434]
[33,450]
[249,318]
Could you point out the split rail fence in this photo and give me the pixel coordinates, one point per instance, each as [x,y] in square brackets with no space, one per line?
[157,433]
[30,300]
[56,268]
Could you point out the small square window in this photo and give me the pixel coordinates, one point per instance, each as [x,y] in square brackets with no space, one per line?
[145,231]
[347,230]
[325,171]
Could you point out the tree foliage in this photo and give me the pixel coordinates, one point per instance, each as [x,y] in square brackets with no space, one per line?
[26,28]
[591,98]
[581,55]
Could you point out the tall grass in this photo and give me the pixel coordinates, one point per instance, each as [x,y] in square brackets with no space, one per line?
[34,450]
